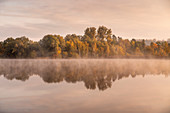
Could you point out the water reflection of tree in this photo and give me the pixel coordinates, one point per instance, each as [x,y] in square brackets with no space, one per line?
[97,73]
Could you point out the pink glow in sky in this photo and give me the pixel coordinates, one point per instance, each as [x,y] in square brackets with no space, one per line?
[126,18]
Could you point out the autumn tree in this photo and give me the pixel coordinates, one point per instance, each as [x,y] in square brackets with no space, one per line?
[93,44]
[91,32]
[103,32]
[50,44]
[1,49]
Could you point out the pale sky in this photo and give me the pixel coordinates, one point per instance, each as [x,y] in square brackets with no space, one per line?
[126,18]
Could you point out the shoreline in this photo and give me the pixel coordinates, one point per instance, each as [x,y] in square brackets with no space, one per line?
[41,58]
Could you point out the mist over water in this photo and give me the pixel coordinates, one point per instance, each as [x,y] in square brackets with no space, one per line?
[84,85]
[94,73]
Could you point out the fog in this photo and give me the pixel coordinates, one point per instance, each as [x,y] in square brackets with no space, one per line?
[95,73]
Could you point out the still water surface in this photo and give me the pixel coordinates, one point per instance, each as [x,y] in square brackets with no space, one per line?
[85,86]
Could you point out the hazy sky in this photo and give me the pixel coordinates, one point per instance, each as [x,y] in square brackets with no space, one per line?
[126,18]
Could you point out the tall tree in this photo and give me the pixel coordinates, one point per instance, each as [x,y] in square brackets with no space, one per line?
[91,32]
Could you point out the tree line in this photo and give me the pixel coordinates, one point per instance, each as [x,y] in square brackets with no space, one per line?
[95,43]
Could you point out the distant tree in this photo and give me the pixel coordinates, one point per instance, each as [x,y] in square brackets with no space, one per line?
[138,52]
[1,49]
[50,44]
[91,32]
[34,50]
[33,54]
[149,51]
[100,43]
[62,46]
[114,40]
[102,32]
[16,48]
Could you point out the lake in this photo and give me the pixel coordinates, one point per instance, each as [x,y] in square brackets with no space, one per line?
[84,86]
